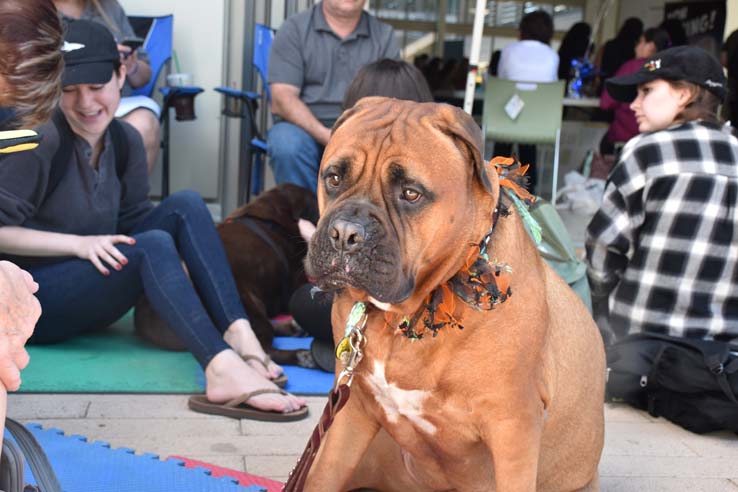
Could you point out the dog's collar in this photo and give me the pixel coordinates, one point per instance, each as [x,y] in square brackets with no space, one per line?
[482,282]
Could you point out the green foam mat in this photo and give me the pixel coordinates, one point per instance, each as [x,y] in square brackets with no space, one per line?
[110,361]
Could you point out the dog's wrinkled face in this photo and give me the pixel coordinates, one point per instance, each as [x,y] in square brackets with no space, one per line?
[402,187]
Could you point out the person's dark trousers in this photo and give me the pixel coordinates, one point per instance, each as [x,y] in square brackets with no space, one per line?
[76,297]
[313,314]
[526,155]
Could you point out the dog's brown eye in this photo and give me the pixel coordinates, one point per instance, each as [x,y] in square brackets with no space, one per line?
[333,180]
[410,195]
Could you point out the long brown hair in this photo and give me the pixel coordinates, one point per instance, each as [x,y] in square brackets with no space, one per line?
[31,60]
[703,105]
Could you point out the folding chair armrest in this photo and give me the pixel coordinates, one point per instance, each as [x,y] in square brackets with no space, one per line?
[231,92]
[259,144]
[239,104]
[187,90]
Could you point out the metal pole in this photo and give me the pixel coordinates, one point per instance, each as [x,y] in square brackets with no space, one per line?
[471,78]
[441,27]
[247,84]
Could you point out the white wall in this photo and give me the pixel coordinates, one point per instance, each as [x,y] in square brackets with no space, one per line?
[651,12]
[198,40]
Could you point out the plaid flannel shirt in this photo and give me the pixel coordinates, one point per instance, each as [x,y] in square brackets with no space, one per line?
[664,244]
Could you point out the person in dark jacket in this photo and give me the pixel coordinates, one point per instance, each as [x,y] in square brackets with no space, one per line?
[82,224]
[619,49]
[574,46]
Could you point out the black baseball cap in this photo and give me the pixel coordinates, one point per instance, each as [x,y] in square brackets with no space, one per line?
[688,63]
[89,53]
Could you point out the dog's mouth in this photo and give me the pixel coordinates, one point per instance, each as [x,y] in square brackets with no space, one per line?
[355,251]
[385,291]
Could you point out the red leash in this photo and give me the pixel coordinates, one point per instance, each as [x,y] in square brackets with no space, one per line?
[337,399]
[350,351]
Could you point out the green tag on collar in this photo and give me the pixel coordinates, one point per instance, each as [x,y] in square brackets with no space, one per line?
[357,312]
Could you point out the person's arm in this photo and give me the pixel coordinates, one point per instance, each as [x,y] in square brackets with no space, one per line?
[611,235]
[286,78]
[136,62]
[287,104]
[138,72]
[17,240]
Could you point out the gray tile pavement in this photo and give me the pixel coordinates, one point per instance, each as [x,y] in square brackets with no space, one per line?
[641,454]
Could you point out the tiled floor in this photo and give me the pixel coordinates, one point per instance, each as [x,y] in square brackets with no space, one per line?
[641,454]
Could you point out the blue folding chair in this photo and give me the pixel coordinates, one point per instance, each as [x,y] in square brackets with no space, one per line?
[157,35]
[243,104]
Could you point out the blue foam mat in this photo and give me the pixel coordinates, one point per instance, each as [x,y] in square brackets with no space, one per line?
[303,381]
[95,467]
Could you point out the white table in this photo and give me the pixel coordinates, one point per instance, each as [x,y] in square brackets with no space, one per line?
[582,102]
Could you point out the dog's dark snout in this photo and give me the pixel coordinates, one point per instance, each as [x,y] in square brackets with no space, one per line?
[347,236]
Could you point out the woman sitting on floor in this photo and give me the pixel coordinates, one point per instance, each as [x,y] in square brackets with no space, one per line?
[75,212]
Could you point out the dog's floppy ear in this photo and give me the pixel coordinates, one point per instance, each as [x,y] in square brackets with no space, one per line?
[465,131]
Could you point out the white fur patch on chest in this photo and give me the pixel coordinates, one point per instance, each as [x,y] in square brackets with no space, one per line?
[398,402]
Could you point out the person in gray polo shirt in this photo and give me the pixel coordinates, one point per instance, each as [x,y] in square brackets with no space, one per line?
[314,57]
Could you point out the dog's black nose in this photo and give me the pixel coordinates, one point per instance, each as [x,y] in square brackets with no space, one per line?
[347,236]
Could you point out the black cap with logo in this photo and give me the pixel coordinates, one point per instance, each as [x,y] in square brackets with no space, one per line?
[687,63]
[89,53]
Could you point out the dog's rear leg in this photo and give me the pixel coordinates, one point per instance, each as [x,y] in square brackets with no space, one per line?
[343,448]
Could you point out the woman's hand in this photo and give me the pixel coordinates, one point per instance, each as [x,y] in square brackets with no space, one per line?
[99,249]
[18,316]
[128,57]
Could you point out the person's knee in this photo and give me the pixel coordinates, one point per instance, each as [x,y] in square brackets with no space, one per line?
[144,121]
[147,125]
[287,142]
[186,200]
[154,242]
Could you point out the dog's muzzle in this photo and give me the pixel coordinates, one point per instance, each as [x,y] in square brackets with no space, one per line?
[352,247]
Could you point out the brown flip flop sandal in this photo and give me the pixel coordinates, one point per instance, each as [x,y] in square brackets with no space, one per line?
[239,409]
[280,380]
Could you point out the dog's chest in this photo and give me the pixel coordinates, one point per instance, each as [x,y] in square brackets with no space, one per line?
[398,403]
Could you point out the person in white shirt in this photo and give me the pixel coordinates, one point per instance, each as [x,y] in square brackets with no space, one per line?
[529,60]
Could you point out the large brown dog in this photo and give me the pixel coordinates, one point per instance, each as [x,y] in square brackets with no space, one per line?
[511,402]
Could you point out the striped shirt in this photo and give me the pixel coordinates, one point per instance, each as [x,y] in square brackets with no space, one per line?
[664,245]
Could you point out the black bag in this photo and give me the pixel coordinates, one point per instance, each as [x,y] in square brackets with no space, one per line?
[14,457]
[691,382]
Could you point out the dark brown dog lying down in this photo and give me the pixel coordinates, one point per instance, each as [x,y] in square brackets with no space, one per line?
[266,254]
[509,395]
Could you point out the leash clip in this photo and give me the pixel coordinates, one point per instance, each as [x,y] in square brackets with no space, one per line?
[350,349]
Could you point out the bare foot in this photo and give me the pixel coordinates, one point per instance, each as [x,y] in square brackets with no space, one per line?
[241,337]
[227,377]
